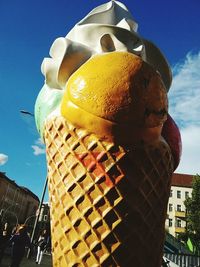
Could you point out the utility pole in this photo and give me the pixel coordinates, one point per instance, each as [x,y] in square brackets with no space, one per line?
[38,214]
[25,112]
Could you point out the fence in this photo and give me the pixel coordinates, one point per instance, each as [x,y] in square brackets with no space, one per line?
[183,260]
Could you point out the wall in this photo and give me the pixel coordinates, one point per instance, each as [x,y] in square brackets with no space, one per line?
[175,222]
[16,203]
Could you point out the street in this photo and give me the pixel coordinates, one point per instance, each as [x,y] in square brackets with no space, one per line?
[46,261]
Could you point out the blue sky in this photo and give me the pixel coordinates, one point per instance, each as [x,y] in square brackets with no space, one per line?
[27,30]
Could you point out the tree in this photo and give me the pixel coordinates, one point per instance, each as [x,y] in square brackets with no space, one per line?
[193,214]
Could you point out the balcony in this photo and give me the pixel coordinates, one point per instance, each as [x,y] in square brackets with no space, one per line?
[180,214]
[179,229]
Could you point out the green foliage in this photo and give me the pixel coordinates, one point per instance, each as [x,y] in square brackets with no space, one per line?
[193,214]
[183,237]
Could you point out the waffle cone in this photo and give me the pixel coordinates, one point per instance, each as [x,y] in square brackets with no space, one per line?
[108,202]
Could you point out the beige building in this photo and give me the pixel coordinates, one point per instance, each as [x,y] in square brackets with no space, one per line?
[17,203]
[44,213]
[181,188]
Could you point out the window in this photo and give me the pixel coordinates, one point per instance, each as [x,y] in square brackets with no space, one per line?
[170,207]
[178,207]
[178,223]
[170,223]
[178,194]
[186,194]
[171,193]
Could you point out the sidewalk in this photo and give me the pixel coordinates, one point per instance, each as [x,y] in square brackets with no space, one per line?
[46,262]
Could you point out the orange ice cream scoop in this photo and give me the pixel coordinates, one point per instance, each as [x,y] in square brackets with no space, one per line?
[116,96]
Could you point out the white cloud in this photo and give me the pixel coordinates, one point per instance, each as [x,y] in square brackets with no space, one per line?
[184,99]
[39,142]
[38,150]
[39,147]
[190,160]
[184,94]
[3,159]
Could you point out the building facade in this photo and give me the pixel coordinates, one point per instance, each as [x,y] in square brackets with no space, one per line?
[16,203]
[44,218]
[44,213]
[181,188]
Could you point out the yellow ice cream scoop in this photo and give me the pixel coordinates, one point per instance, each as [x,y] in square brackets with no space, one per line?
[117,96]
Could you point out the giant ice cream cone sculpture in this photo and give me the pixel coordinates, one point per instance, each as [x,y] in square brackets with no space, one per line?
[109,168]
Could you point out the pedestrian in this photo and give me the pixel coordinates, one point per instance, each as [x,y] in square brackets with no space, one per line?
[20,240]
[41,245]
[4,238]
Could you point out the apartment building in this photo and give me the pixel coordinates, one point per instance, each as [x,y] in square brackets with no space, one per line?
[17,203]
[181,188]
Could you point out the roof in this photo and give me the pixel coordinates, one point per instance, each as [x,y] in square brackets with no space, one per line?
[182,180]
[30,192]
[24,189]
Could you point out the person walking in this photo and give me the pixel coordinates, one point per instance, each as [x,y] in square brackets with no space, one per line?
[41,246]
[20,240]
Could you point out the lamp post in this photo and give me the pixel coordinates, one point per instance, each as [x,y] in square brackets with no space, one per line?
[25,112]
[28,218]
[38,214]
[7,210]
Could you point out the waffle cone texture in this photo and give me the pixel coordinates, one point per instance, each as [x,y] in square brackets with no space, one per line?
[108,202]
